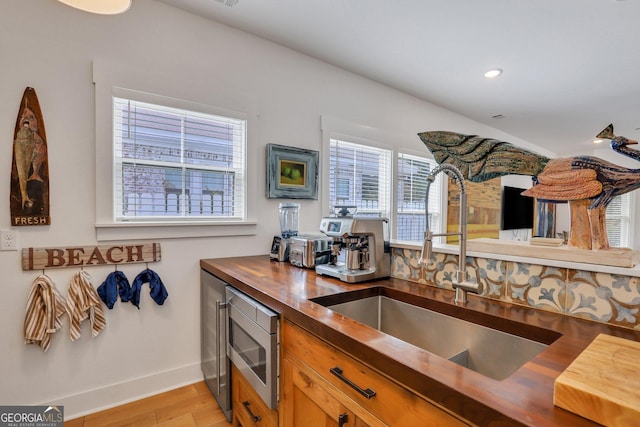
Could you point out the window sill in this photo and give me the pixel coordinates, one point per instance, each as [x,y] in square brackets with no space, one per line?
[172,230]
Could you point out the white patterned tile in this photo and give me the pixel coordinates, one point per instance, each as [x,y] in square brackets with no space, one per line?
[491,273]
[537,286]
[604,297]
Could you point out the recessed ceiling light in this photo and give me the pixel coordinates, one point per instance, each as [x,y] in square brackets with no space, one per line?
[598,141]
[493,73]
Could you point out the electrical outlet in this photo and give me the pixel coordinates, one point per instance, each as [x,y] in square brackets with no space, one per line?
[8,240]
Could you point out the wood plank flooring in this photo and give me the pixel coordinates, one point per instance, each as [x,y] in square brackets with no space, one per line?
[191,405]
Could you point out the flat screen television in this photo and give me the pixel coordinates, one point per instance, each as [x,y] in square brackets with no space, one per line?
[517,210]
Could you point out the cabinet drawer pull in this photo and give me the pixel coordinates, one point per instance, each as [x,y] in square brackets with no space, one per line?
[256,418]
[343,419]
[368,393]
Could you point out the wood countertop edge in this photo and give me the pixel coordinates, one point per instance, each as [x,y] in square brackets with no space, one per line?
[524,398]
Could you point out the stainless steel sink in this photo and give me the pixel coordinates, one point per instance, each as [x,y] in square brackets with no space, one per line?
[488,351]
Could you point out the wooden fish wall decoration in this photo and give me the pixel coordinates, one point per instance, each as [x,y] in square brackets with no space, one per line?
[588,183]
[29,196]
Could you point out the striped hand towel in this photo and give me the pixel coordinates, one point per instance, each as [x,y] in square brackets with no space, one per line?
[45,307]
[83,302]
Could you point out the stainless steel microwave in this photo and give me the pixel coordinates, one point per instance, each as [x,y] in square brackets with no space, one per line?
[252,343]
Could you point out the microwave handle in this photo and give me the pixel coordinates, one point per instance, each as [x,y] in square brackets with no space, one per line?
[222,350]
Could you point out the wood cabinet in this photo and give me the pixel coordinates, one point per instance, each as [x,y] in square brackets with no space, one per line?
[248,408]
[320,383]
[308,404]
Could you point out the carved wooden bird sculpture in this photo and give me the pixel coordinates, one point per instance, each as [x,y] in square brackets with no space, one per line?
[588,183]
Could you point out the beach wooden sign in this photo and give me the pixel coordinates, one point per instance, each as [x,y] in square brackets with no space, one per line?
[29,196]
[88,256]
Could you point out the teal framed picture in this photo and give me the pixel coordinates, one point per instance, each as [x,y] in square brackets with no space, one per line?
[292,173]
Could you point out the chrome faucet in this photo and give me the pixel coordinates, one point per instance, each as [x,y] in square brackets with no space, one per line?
[462,285]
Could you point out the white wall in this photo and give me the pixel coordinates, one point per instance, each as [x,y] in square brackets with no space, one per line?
[49,46]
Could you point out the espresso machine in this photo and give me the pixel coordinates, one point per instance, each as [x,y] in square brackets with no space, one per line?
[359,251]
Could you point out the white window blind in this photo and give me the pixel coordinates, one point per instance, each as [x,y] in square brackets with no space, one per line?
[174,164]
[618,216]
[360,175]
[412,184]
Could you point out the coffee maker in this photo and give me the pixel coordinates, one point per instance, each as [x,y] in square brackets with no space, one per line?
[359,251]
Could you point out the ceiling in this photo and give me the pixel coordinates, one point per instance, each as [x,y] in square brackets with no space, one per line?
[570,66]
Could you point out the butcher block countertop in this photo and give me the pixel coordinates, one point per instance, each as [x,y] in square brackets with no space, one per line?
[524,398]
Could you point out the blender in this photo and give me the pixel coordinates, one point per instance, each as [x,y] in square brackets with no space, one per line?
[288,228]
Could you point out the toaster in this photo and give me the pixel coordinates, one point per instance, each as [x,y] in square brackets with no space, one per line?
[309,250]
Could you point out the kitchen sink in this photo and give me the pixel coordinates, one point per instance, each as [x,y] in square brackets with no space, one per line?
[489,345]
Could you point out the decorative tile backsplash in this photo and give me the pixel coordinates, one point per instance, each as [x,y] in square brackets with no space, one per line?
[537,286]
[601,297]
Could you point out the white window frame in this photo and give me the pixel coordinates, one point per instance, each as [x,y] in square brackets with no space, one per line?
[625,218]
[334,128]
[185,208]
[437,189]
[384,178]
[111,80]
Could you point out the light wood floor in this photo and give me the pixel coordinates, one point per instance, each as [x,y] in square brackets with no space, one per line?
[192,405]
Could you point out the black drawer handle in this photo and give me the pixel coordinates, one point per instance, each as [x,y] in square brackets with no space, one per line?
[343,419]
[256,418]
[368,393]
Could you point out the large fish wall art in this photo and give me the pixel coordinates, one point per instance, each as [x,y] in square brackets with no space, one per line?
[29,196]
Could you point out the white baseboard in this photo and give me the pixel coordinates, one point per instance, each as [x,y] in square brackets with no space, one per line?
[99,399]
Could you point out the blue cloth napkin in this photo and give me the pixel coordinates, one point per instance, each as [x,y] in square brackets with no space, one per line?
[115,283]
[158,291]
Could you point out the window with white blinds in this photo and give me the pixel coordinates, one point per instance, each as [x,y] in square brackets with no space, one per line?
[618,217]
[412,174]
[360,175]
[174,164]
